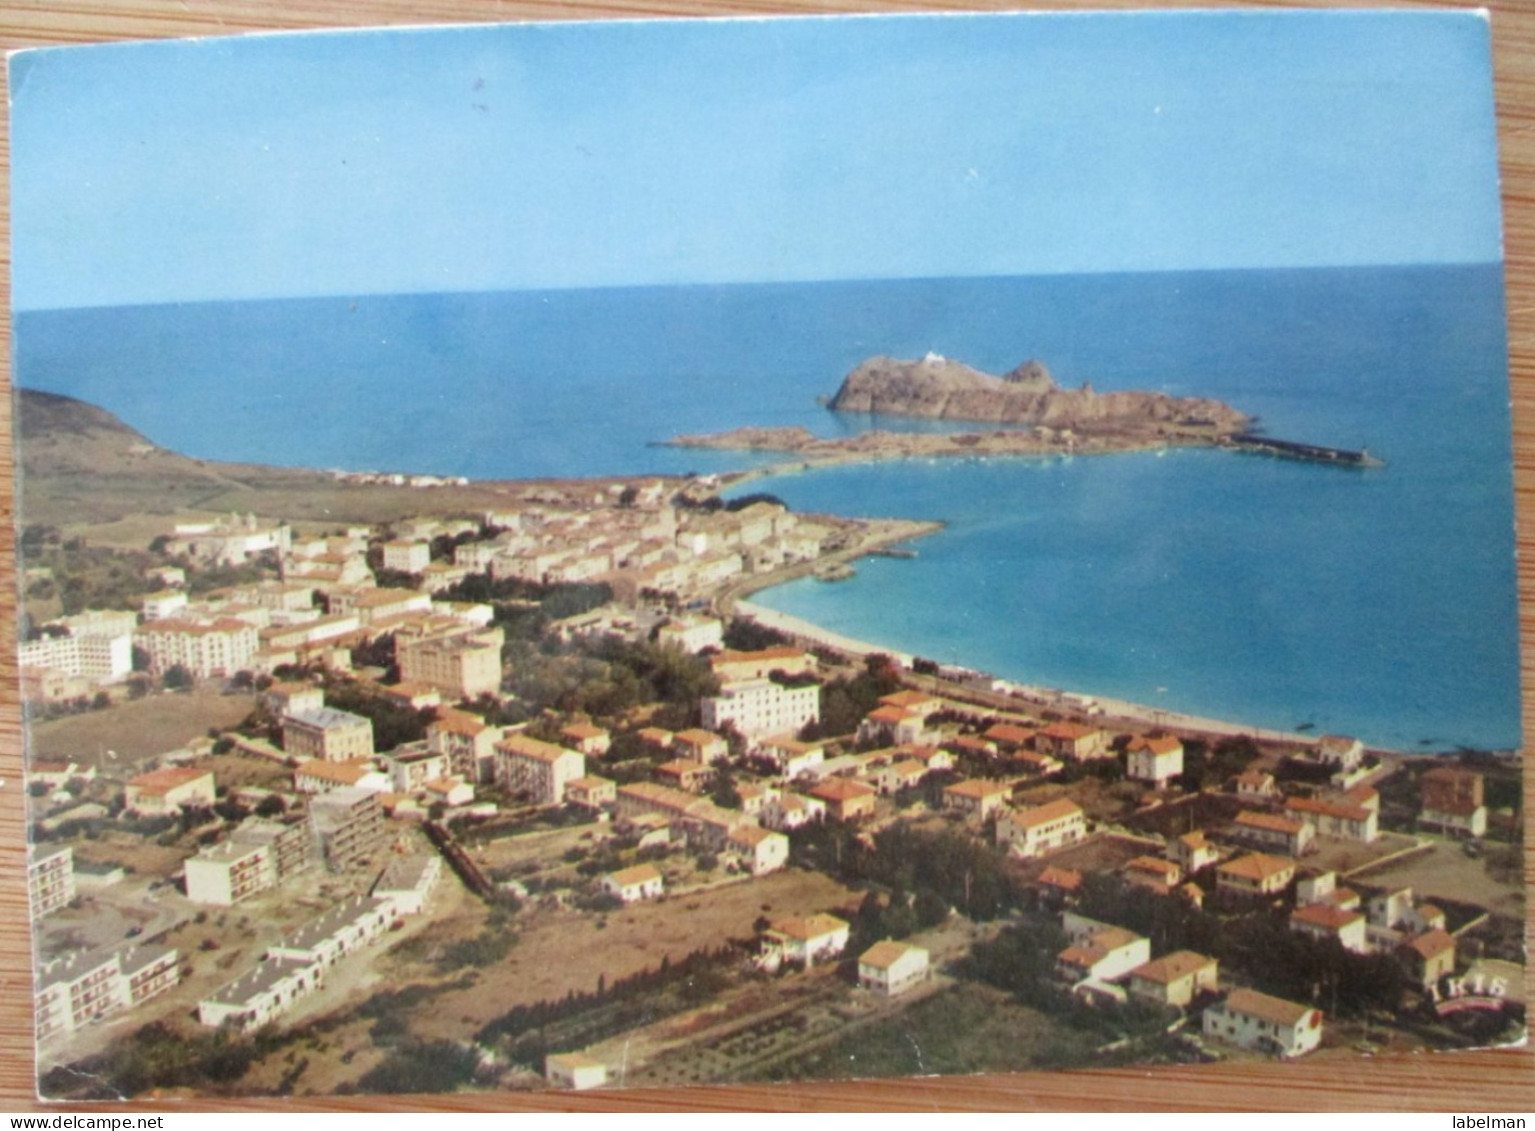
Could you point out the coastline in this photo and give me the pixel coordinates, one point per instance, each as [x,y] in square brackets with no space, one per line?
[1020,696]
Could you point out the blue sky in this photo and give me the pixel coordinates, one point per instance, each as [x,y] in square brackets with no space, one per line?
[571,155]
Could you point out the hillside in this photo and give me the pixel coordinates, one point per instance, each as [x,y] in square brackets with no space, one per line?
[80,467]
[934,386]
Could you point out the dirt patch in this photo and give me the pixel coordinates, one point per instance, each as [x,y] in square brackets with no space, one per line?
[560,951]
[1446,872]
[137,730]
[1104,853]
[1199,811]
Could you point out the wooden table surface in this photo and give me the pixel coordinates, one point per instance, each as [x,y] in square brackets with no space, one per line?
[1486,1082]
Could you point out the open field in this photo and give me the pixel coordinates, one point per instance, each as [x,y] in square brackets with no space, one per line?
[1446,872]
[966,1028]
[1347,857]
[560,951]
[138,729]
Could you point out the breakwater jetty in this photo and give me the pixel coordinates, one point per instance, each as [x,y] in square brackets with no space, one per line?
[1312,453]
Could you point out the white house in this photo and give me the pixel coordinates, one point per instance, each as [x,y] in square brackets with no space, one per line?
[1255,1021]
[574,1071]
[1042,829]
[1155,758]
[892,968]
[643,881]
[807,938]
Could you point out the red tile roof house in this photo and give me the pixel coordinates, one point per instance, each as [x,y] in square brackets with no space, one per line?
[1042,829]
[1075,741]
[1430,956]
[1174,979]
[1008,737]
[1154,759]
[806,939]
[1104,956]
[977,798]
[1265,1024]
[846,800]
[1289,835]
[1255,875]
[1324,921]
[1161,876]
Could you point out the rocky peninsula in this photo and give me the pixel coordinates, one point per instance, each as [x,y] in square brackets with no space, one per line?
[937,387]
[1039,416]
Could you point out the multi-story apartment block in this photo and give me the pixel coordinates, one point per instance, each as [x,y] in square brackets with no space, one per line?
[85,986]
[407,557]
[539,769]
[353,925]
[220,648]
[761,707]
[262,995]
[257,856]
[50,878]
[462,666]
[328,734]
[349,826]
[94,646]
[468,741]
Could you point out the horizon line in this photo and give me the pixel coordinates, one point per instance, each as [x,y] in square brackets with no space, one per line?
[17,310]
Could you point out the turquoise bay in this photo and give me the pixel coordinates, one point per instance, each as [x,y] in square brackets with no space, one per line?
[1379,603]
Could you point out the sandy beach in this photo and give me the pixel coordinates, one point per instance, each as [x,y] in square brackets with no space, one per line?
[1019,696]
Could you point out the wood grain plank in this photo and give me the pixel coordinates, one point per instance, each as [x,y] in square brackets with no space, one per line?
[1484,1081]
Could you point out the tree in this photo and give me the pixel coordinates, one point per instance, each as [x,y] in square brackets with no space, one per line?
[176,678]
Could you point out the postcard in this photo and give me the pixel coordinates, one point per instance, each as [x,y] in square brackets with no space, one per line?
[619,555]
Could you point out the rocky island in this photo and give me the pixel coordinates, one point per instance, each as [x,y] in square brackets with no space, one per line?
[1039,418]
[938,387]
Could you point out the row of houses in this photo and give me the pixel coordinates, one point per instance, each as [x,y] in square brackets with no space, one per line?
[296,966]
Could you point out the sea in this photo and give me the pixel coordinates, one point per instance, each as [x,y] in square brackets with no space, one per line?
[1379,603]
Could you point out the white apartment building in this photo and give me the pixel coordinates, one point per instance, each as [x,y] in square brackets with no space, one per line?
[761,707]
[539,769]
[221,648]
[407,557]
[261,995]
[50,878]
[72,992]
